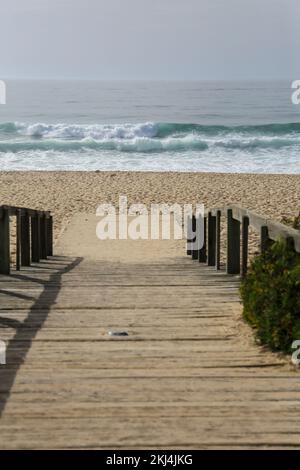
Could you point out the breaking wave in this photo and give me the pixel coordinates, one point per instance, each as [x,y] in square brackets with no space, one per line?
[145,137]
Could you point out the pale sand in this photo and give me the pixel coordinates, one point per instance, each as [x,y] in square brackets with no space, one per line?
[69,193]
[187,342]
[79,239]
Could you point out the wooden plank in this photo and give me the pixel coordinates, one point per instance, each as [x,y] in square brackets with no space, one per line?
[188,375]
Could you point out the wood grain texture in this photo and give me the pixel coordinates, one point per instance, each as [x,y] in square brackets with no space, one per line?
[188,376]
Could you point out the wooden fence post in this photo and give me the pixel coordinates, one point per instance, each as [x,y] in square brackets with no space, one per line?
[211,259]
[4,242]
[188,235]
[49,223]
[18,240]
[25,240]
[195,250]
[245,237]
[265,241]
[203,250]
[218,240]
[43,237]
[35,239]
[233,244]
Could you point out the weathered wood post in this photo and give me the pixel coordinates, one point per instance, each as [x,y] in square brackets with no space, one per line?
[35,238]
[233,244]
[188,235]
[203,250]
[211,258]
[18,240]
[43,237]
[4,242]
[49,223]
[245,237]
[25,240]
[265,241]
[195,250]
[218,240]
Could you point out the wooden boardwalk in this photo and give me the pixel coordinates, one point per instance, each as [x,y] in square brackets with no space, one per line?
[188,375]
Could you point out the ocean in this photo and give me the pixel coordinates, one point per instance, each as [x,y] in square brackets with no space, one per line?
[150,126]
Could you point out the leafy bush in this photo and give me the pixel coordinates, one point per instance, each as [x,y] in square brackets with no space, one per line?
[271,296]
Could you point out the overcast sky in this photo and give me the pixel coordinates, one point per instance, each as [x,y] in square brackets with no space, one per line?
[150,39]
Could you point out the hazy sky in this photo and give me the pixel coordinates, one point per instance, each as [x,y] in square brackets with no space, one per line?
[150,39]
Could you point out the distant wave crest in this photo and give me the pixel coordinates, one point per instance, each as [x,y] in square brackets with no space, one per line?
[142,145]
[145,137]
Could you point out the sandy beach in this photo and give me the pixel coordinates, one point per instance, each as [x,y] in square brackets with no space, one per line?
[187,373]
[69,193]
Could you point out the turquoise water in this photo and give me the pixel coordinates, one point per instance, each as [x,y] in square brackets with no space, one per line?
[159,126]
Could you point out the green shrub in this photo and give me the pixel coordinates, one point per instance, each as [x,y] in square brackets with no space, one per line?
[271,296]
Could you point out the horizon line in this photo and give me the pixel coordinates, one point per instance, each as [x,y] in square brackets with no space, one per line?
[76,79]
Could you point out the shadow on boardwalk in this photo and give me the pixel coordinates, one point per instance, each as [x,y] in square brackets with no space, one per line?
[27,330]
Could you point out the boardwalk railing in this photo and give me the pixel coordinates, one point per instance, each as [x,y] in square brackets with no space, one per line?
[238,222]
[34,236]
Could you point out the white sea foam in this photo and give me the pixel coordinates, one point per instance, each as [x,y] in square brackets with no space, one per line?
[150,146]
[94,131]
